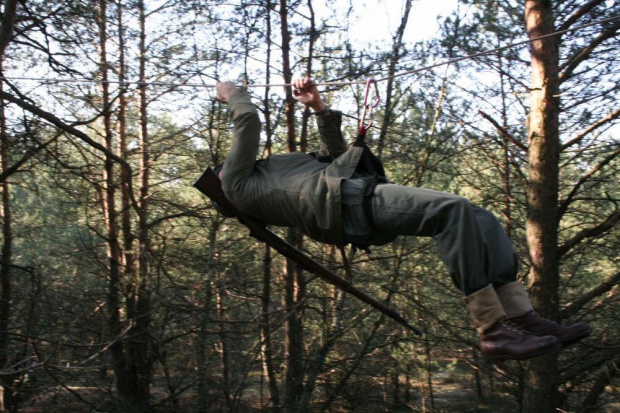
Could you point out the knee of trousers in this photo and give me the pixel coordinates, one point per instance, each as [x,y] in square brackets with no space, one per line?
[457,210]
[487,220]
[455,222]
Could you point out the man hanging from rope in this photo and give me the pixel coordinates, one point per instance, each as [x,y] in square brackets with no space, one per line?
[332,197]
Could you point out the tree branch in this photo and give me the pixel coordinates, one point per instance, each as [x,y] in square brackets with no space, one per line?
[591,128]
[577,305]
[566,202]
[592,232]
[584,10]
[15,167]
[610,371]
[568,68]
[49,117]
[503,132]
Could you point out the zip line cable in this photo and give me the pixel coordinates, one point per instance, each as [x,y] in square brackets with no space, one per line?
[500,49]
[336,83]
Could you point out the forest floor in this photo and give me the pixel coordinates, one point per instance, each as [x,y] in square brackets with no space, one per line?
[97,400]
[453,391]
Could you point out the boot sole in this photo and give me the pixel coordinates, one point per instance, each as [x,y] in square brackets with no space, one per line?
[498,358]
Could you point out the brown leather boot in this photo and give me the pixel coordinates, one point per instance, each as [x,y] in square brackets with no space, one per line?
[539,326]
[499,338]
[519,310]
[505,340]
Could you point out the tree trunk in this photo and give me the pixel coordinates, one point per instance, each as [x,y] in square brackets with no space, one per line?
[269,370]
[108,194]
[224,349]
[313,35]
[287,74]
[202,339]
[506,148]
[294,343]
[7,22]
[293,289]
[6,399]
[429,372]
[331,332]
[541,393]
[139,301]
[109,191]
[128,258]
[397,45]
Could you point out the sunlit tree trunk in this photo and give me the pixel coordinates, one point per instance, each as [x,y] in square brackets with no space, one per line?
[293,284]
[136,361]
[128,258]
[267,347]
[542,220]
[141,302]
[287,73]
[506,148]
[108,194]
[109,191]
[315,365]
[314,33]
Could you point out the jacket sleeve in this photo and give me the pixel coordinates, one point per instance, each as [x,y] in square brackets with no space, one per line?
[240,161]
[332,142]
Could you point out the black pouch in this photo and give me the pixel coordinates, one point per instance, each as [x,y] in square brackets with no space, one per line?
[372,168]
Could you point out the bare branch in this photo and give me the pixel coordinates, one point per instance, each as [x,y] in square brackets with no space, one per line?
[609,373]
[592,232]
[51,118]
[15,167]
[613,115]
[583,11]
[564,204]
[571,64]
[585,298]
[503,132]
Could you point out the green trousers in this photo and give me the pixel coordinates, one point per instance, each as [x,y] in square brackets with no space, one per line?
[470,240]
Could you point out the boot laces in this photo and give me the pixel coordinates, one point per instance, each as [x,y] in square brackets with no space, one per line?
[511,325]
[543,319]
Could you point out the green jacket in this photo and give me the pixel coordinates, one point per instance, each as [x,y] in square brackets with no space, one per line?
[295,189]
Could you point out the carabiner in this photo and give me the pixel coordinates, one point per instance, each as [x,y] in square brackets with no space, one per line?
[367,93]
[364,126]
